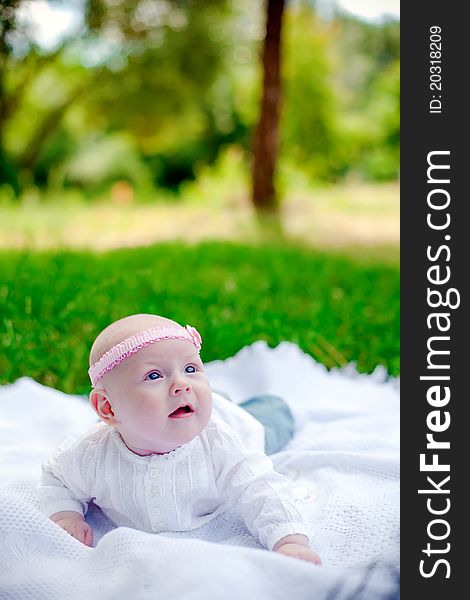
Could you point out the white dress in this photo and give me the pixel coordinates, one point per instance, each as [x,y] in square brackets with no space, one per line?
[180,490]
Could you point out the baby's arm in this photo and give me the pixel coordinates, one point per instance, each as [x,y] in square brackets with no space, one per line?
[262,496]
[62,496]
[75,524]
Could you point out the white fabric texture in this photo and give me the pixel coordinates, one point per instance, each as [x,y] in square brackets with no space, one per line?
[178,491]
[343,462]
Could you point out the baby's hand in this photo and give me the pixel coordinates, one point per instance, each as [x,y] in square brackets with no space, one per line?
[298,551]
[297,547]
[75,524]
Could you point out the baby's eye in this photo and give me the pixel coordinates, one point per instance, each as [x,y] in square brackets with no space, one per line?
[190,369]
[153,375]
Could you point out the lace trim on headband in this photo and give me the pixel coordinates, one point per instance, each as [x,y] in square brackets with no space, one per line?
[134,343]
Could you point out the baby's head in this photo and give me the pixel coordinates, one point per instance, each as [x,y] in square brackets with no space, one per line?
[149,382]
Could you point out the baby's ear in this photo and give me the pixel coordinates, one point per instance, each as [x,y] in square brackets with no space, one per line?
[101,405]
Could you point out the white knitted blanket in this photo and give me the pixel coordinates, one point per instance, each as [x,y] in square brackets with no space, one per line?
[343,460]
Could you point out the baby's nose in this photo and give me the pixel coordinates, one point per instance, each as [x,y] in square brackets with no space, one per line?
[180,387]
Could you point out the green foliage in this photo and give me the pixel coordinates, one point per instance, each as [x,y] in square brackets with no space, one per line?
[54,304]
[341,105]
[165,59]
[381,160]
[368,86]
[310,138]
[180,80]
[100,161]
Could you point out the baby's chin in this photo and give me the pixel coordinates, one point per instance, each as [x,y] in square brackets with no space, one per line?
[191,428]
[146,445]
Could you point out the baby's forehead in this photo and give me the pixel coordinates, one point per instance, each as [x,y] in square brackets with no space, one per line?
[166,350]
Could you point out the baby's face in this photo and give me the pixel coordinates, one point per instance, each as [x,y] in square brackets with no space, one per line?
[160,396]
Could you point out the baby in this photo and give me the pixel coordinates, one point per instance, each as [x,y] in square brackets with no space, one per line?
[161,460]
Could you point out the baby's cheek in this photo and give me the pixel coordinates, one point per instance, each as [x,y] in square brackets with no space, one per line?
[205,413]
[204,387]
[152,411]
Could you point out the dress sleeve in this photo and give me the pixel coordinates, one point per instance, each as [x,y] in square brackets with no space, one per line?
[262,496]
[63,484]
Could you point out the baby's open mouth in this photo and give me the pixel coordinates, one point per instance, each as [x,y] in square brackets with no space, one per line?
[185,410]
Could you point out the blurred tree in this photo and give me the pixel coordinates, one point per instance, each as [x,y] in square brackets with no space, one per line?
[380,157]
[266,138]
[171,82]
[7,25]
[312,138]
[140,66]
[168,57]
[368,83]
[37,89]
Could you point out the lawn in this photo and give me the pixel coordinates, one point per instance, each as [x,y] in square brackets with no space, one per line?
[336,307]
[342,216]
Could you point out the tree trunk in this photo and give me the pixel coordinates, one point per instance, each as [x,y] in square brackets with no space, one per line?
[266,140]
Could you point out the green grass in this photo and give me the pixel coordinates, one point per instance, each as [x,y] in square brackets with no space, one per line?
[336,308]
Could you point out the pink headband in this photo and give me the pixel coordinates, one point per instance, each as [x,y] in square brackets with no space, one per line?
[134,343]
